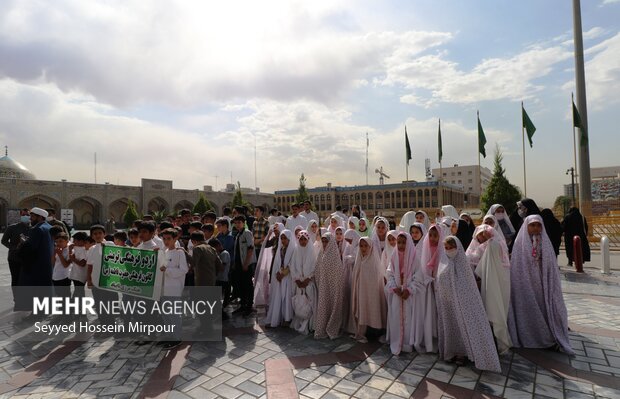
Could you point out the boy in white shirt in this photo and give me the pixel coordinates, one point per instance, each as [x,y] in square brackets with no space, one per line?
[93,263]
[62,266]
[174,267]
[78,263]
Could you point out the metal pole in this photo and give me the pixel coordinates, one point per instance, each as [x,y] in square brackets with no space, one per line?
[572,100]
[585,188]
[479,169]
[523,143]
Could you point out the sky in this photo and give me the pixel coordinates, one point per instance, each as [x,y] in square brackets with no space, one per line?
[182,90]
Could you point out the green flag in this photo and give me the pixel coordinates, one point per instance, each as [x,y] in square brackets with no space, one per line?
[528,125]
[407,146]
[482,140]
[439,143]
[578,123]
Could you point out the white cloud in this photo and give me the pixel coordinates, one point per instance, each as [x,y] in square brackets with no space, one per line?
[602,74]
[492,79]
[183,53]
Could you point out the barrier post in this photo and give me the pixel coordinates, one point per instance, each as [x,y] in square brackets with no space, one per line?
[605,262]
[577,254]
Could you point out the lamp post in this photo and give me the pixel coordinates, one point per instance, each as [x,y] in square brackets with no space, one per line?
[572,182]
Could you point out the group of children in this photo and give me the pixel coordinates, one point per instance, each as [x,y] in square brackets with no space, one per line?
[448,287]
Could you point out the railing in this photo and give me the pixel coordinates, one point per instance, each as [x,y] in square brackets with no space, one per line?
[604,226]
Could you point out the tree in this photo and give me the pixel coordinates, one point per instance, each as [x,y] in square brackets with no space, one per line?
[500,190]
[159,216]
[131,214]
[238,199]
[562,205]
[203,205]
[302,193]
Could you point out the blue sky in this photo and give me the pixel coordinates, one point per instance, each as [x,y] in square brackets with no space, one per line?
[178,90]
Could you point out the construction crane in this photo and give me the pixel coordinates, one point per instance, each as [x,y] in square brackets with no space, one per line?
[381,175]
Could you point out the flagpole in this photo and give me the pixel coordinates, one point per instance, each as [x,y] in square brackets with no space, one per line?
[479,169]
[406,156]
[440,171]
[575,195]
[523,142]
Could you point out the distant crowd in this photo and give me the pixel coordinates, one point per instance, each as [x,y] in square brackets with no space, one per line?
[431,285]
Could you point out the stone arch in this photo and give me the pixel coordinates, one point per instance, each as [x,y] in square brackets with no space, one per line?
[41,201]
[183,204]
[157,204]
[117,208]
[86,212]
[412,199]
[4,211]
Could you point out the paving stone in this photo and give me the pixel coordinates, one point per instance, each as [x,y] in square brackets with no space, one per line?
[368,393]
[226,391]
[335,395]
[251,388]
[347,387]
[201,393]
[547,390]
[378,383]
[401,390]
[327,380]
[490,389]
[314,391]
[510,393]
[308,374]
[358,376]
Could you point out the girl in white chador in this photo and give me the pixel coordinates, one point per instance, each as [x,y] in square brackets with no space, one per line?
[304,289]
[352,239]
[367,297]
[464,331]
[492,266]
[262,273]
[398,290]
[423,334]
[280,288]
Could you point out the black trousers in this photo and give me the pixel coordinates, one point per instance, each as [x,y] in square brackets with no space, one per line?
[14,267]
[62,287]
[225,291]
[243,281]
[78,289]
[99,296]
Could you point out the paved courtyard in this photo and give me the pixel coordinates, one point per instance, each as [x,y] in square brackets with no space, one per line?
[254,362]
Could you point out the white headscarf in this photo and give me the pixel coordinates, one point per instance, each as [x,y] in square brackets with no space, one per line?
[506,219]
[314,237]
[495,225]
[476,249]
[355,220]
[373,235]
[304,260]
[426,221]
[277,262]
[449,210]
[352,235]
[407,221]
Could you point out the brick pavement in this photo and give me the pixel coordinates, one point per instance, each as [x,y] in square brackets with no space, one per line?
[253,362]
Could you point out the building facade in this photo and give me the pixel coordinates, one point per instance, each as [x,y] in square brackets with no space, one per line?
[387,199]
[98,202]
[468,178]
[605,189]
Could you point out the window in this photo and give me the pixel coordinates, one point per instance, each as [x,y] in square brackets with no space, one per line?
[445,174]
[469,181]
[469,172]
[460,181]
[470,189]
[459,173]
[452,174]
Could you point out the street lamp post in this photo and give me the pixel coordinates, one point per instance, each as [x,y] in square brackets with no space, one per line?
[572,182]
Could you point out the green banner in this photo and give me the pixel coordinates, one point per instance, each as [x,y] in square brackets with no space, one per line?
[131,271]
